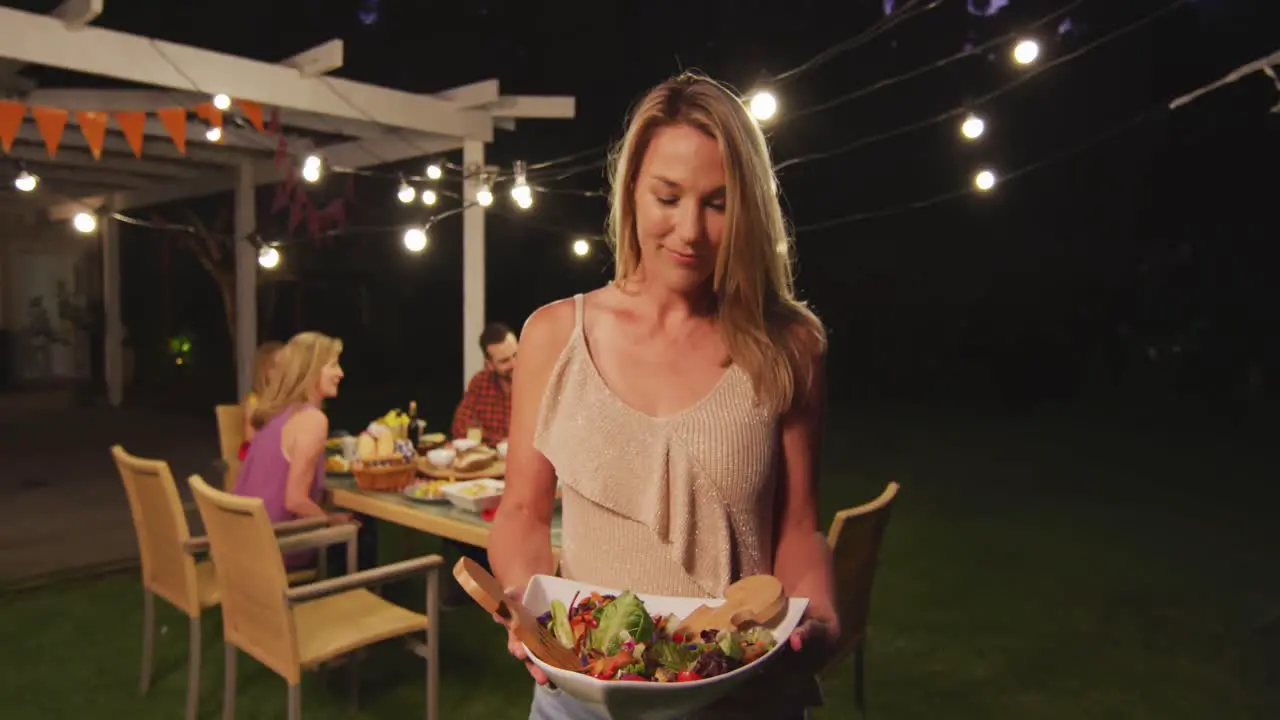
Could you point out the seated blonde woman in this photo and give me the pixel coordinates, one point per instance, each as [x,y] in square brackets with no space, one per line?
[284,465]
[264,367]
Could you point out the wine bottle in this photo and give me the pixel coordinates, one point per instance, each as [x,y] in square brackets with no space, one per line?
[414,432]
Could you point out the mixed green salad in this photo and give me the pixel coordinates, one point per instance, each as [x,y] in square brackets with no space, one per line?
[617,639]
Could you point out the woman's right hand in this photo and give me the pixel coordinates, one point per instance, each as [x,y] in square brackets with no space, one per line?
[516,648]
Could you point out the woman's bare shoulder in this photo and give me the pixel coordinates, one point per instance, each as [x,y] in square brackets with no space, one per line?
[549,328]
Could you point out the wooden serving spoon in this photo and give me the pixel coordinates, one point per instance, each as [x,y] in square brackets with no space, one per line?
[487,591]
[756,600]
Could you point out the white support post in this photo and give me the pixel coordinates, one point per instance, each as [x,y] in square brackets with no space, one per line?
[113,335]
[472,262]
[246,262]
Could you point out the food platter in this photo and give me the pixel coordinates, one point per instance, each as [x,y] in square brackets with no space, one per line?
[426,491]
[496,470]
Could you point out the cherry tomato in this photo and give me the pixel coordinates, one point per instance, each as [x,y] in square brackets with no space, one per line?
[631,676]
[677,637]
[687,675]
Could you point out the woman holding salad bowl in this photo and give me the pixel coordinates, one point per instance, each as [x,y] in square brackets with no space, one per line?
[679,407]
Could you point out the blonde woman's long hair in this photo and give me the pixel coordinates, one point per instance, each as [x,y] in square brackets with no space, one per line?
[297,374]
[263,362]
[768,332]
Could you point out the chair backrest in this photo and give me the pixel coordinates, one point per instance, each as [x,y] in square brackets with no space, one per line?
[161,525]
[230,437]
[855,538]
[251,578]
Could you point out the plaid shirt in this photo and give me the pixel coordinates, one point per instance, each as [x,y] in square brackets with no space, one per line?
[485,405]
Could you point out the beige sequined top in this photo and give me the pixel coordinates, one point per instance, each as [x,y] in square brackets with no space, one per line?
[680,505]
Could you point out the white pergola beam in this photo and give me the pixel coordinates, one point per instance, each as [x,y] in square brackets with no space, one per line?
[534,107]
[76,14]
[156,148]
[36,157]
[46,41]
[319,60]
[56,176]
[474,95]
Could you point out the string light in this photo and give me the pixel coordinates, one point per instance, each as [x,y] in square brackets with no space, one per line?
[429,196]
[213,134]
[311,168]
[1026,51]
[406,193]
[973,127]
[984,180]
[581,248]
[268,258]
[434,172]
[484,195]
[763,105]
[415,240]
[520,190]
[85,222]
[221,101]
[26,182]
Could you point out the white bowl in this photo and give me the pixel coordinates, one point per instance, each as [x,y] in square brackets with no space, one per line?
[642,700]
[486,500]
[441,457]
[464,444]
[502,449]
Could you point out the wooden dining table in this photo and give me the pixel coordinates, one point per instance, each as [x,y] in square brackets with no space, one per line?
[440,518]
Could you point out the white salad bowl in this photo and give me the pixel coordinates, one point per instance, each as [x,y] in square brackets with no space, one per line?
[642,700]
[441,457]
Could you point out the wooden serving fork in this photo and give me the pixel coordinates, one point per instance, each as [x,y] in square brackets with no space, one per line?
[754,600]
[487,591]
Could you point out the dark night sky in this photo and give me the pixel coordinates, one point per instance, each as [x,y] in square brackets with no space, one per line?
[1065,281]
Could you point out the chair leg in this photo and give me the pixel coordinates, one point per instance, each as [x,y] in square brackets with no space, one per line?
[433,647]
[859,680]
[229,682]
[295,702]
[353,676]
[193,668]
[148,639]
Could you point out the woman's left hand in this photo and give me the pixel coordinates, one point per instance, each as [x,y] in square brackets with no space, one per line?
[815,638]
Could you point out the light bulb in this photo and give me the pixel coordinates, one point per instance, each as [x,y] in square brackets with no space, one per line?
[984,180]
[26,182]
[434,172]
[406,193]
[85,222]
[311,173]
[523,195]
[973,127]
[221,101]
[415,240]
[268,257]
[763,105]
[213,134]
[1026,52]
[484,196]
[428,196]
[581,247]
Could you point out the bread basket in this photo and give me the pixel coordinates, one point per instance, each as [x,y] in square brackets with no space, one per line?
[388,474]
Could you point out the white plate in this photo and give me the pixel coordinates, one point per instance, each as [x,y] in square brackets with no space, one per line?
[476,504]
[440,498]
[635,700]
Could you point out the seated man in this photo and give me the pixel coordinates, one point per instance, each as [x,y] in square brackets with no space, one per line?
[486,405]
[487,402]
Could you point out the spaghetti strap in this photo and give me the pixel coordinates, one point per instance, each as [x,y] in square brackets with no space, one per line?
[578,305]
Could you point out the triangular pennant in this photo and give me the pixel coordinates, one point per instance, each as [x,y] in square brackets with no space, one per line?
[174,120]
[210,114]
[296,209]
[284,191]
[93,125]
[51,122]
[274,126]
[313,222]
[253,112]
[11,114]
[133,126]
[282,151]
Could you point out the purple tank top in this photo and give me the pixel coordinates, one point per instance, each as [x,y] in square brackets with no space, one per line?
[265,473]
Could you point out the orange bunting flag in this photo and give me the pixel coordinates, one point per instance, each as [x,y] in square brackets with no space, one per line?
[11,114]
[174,120]
[210,114]
[93,125]
[253,111]
[133,126]
[51,122]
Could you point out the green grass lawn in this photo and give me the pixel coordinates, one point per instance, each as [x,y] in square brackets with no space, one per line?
[1040,569]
